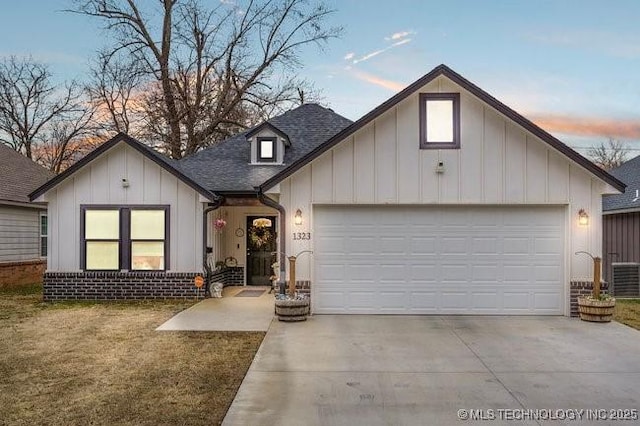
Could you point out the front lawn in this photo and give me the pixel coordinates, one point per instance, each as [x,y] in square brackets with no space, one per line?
[103,363]
[627,311]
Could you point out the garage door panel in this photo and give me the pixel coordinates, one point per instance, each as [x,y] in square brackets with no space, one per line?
[439,260]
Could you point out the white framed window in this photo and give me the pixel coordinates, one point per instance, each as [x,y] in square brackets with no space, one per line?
[267,150]
[44,231]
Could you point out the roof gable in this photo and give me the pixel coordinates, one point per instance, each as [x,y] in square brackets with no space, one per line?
[471,88]
[19,175]
[266,125]
[164,162]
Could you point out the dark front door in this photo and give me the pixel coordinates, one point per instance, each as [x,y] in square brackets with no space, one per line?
[261,243]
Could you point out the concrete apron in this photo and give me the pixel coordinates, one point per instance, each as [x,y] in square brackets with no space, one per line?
[418,370]
[228,313]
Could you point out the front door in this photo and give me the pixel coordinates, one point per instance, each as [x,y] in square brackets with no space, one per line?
[261,245]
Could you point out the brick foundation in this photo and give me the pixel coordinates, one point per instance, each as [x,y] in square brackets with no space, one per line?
[120,285]
[232,275]
[20,273]
[583,288]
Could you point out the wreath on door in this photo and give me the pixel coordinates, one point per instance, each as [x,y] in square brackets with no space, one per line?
[260,235]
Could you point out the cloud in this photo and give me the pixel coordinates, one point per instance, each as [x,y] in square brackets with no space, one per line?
[399,35]
[588,126]
[379,51]
[401,42]
[399,39]
[378,81]
[370,55]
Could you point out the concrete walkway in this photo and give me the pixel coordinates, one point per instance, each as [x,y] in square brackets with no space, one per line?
[230,313]
[385,370]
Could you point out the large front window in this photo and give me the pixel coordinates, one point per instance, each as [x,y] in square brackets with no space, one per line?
[117,238]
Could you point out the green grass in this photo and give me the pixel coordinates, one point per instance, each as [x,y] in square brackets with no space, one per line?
[627,312]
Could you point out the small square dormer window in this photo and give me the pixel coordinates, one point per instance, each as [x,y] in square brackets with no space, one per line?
[267,150]
[439,120]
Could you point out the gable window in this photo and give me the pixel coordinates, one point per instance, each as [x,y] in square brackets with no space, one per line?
[43,234]
[125,237]
[267,149]
[439,120]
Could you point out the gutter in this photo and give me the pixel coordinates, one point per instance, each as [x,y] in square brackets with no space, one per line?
[283,220]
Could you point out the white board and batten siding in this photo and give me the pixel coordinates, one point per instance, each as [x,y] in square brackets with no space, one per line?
[100,183]
[19,233]
[499,164]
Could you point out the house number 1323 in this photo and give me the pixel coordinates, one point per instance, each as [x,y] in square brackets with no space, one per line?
[302,235]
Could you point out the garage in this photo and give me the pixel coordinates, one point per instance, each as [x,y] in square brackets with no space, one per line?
[493,260]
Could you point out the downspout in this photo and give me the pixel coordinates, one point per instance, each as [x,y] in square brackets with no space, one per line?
[269,202]
[217,203]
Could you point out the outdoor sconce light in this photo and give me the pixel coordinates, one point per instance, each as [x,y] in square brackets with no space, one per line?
[125,183]
[297,219]
[583,218]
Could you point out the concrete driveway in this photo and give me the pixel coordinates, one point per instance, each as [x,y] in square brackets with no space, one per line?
[392,370]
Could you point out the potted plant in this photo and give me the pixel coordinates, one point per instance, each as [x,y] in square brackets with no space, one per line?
[597,307]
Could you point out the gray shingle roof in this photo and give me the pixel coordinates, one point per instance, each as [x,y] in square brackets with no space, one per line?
[19,175]
[629,173]
[226,167]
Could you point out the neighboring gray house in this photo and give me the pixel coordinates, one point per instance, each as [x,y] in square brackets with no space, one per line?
[621,232]
[442,200]
[23,224]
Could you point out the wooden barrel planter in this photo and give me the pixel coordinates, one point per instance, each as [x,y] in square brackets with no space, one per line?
[594,310]
[292,310]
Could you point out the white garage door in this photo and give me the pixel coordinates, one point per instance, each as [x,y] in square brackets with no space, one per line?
[438,260]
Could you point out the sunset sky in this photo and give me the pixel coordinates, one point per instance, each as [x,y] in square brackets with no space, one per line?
[571,66]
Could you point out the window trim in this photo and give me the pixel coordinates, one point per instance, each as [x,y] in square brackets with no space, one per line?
[41,236]
[423,99]
[124,241]
[274,144]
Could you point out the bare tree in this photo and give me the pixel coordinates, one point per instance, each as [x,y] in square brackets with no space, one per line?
[67,141]
[211,70]
[609,155]
[38,117]
[116,91]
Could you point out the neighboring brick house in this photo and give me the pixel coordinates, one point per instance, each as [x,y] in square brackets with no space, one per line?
[23,224]
[441,200]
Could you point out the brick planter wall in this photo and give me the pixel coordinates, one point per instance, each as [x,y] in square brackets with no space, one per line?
[120,285]
[20,273]
[233,275]
[583,288]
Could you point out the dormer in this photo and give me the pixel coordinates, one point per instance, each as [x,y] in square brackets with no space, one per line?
[268,144]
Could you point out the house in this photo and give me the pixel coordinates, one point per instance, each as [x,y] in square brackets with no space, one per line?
[23,224]
[442,200]
[621,232]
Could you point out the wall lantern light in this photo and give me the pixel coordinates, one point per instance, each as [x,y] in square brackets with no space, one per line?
[297,219]
[583,218]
